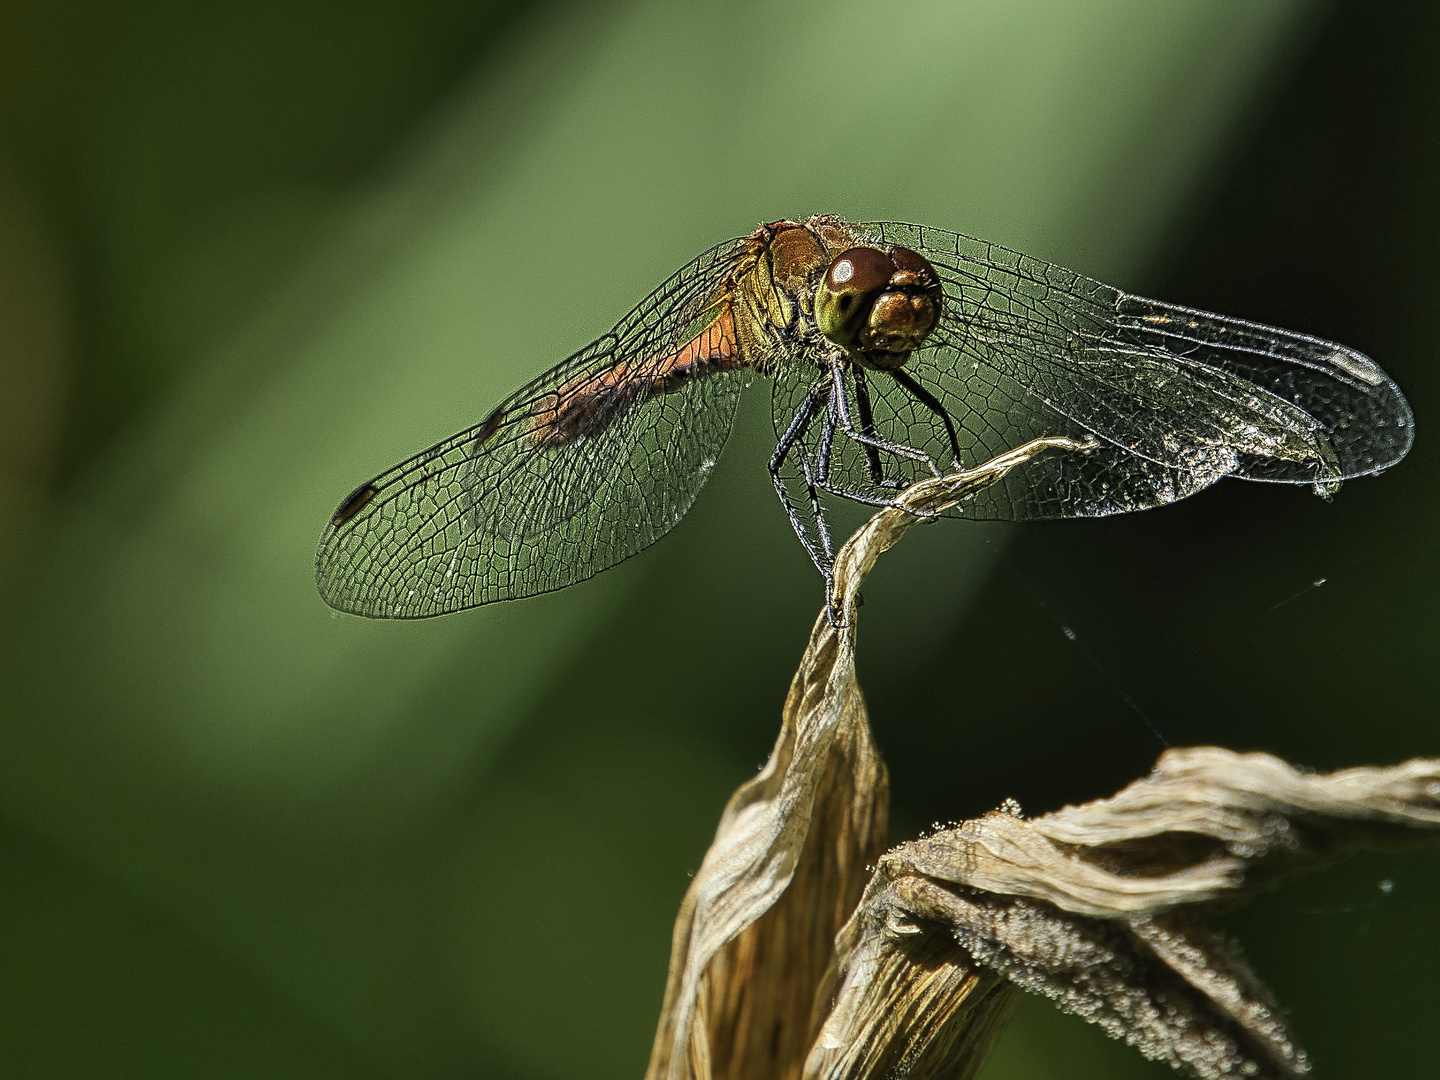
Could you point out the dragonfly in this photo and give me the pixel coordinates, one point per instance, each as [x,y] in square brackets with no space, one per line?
[895,353]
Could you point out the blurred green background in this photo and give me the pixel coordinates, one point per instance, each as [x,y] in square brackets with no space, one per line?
[251,254]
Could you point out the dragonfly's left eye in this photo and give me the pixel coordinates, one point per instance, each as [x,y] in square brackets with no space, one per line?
[849,287]
[879,306]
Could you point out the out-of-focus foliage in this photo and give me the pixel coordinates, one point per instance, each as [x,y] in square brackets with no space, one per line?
[251,254]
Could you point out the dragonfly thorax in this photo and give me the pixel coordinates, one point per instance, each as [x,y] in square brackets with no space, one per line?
[879,307]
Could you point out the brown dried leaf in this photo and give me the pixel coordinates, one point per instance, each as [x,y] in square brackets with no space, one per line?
[910,1002]
[790,858]
[792,959]
[1094,906]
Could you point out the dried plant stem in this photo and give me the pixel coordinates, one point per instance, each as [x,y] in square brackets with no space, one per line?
[802,951]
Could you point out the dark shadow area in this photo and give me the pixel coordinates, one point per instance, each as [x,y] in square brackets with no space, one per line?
[1251,615]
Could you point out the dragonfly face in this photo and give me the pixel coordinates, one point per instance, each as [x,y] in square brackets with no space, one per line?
[896,352]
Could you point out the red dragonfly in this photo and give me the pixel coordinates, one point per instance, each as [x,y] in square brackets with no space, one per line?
[896,352]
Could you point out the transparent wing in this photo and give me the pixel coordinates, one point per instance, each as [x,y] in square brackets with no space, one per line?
[1173,398]
[592,462]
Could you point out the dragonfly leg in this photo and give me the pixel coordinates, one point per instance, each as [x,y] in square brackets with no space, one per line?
[833,419]
[867,427]
[821,556]
[920,394]
[822,527]
[837,378]
[821,479]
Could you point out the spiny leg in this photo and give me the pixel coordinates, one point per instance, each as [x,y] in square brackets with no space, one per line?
[824,560]
[832,420]
[920,394]
[822,480]
[837,378]
[793,434]
[837,415]
[822,528]
[828,424]
[867,427]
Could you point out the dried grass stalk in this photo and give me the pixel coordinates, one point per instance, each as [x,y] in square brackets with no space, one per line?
[801,951]
[1097,906]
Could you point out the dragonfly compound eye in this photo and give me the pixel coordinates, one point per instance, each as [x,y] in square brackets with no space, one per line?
[879,306]
[851,284]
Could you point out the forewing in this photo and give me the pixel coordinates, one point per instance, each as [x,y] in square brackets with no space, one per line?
[1173,399]
[544,492]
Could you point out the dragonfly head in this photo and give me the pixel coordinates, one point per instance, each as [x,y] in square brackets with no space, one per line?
[879,307]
